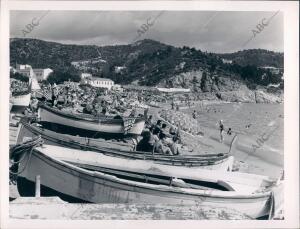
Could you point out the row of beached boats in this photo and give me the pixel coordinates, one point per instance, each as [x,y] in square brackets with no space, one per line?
[124,150]
[83,169]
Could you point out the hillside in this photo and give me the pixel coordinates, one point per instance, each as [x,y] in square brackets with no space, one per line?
[257,57]
[152,63]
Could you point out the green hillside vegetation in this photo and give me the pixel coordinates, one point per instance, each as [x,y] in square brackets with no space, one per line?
[146,62]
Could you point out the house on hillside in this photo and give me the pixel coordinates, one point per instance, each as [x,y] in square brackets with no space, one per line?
[25,70]
[272,69]
[226,61]
[42,74]
[117,87]
[85,76]
[98,82]
[119,69]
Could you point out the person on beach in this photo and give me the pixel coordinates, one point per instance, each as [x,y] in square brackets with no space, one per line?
[194,114]
[172,104]
[175,146]
[229,132]
[53,98]
[157,127]
[146,111]
[163,130]
[221,128]
[172,130]
[147,142]
[149,124]
[161,147]
[175,133]
[34,104]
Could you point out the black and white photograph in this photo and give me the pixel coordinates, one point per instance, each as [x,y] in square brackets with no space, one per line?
[150,112]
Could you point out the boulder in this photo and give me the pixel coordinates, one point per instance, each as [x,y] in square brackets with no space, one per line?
[265,97]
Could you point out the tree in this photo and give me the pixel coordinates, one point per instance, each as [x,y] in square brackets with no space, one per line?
[203,82]
[19,76]
[59,77]
[251,73]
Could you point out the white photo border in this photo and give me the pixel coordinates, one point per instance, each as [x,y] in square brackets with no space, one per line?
[291,108]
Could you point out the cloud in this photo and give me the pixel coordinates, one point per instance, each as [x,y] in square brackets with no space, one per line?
[206,30]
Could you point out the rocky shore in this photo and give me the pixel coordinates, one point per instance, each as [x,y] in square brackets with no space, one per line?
[218,86]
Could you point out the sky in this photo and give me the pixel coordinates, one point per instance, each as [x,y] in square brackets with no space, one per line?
[212,31]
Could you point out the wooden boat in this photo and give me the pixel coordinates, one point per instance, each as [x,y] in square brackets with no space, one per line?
[63,172]
[125,150]
[20,102]
[88,124]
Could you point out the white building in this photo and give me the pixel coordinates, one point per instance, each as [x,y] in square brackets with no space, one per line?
[99,82]
[119,69]
[117,87]
[42,74]
[272,69]
[25,70]
[85,75]
[226,61]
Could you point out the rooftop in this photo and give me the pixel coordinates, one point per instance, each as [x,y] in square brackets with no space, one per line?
[101,79]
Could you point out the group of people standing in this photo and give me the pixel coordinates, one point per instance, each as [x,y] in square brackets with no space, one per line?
[222,130]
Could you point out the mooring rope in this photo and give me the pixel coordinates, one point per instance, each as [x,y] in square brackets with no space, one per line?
[21,150]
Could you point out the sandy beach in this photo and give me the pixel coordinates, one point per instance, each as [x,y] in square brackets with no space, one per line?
[251,157]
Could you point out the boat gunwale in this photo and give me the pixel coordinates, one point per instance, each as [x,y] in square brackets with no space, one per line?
[214,159]
[42,131]
[103,120]
[46,132]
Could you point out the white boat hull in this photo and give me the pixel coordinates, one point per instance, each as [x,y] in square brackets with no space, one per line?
[97,187]
[50,117]
[20,102]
